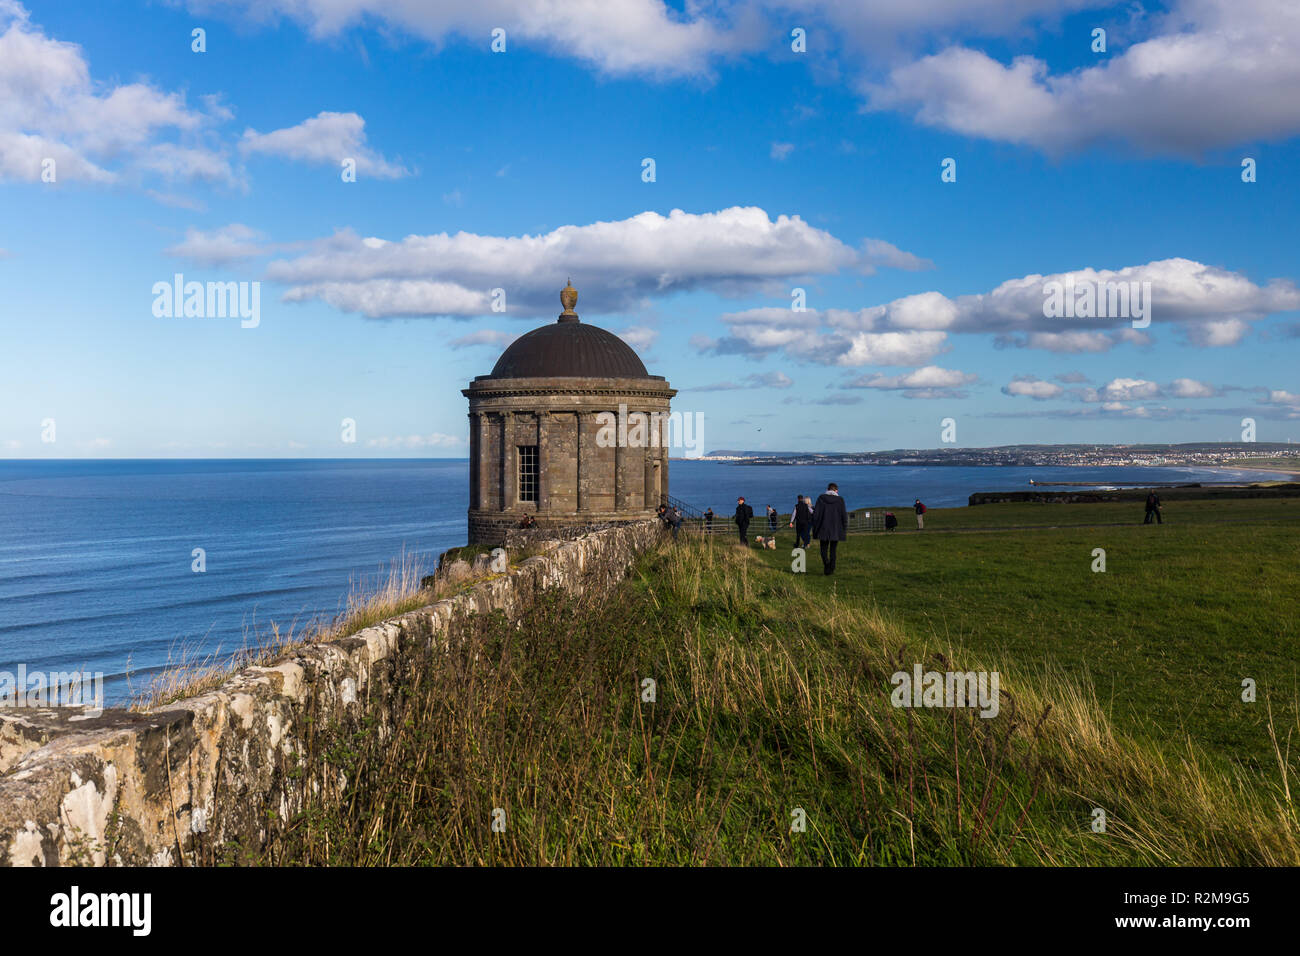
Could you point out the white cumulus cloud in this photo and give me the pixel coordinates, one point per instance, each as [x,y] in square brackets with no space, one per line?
[640,337]
[1210,74]
[613,36]
[1033,388]
[1190,388]
[51,109]
[615,265]
[328,138]
[931,381]
[1128,389]
[1210,304]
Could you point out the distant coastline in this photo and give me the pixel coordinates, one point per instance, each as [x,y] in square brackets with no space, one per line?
[1283,471]
[1255,456]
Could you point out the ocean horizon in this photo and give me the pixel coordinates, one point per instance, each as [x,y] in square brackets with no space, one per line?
[98,556]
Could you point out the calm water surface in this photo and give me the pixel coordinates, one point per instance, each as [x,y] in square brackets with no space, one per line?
[95,556]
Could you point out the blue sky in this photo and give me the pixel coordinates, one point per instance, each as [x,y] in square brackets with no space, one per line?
[775,170]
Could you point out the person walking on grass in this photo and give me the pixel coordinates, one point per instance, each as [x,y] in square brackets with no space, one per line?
[801,521]
[771,519]
[743,515]
[920,515]
[1153,508]
[708,521]
[830,524]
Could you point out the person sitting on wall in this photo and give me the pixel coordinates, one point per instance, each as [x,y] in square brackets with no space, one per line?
[528,522]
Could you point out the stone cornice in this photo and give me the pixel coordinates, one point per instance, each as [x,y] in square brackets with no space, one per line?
[595,387]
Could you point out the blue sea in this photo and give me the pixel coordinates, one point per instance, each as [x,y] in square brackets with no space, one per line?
[96,557]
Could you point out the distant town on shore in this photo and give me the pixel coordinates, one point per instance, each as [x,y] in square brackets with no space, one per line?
[1240,454]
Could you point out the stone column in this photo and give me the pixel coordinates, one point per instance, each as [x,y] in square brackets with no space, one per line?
[656,458]
[629,475]
[620,479]
[543,463]
[651,496]
[663,471]
[473,461]
[509,464]
[482,427]
[581,448]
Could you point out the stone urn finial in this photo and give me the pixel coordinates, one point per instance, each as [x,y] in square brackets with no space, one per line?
[568,299]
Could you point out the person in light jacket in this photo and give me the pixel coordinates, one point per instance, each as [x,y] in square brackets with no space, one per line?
[830,524]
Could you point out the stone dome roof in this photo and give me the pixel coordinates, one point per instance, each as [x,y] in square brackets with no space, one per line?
[567,348]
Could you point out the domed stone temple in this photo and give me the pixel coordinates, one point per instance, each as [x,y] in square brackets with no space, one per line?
[546,437]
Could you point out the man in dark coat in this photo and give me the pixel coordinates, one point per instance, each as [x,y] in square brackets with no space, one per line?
[708,521]
[743,515]
[1153,508]
[830,524]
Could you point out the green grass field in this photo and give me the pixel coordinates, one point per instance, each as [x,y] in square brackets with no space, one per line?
[771,698]
[1030,514]
[1183,613]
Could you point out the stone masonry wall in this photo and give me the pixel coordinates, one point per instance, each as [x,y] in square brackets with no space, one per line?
[216,770]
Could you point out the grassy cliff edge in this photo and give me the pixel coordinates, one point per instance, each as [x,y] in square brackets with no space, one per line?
[542,743]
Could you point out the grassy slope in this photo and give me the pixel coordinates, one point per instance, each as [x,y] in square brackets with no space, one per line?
[1037,514]
[1183,613]
[773,693]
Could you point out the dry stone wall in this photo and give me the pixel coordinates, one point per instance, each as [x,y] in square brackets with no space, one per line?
[224,769]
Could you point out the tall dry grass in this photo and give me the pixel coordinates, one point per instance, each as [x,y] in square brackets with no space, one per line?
[767,702]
